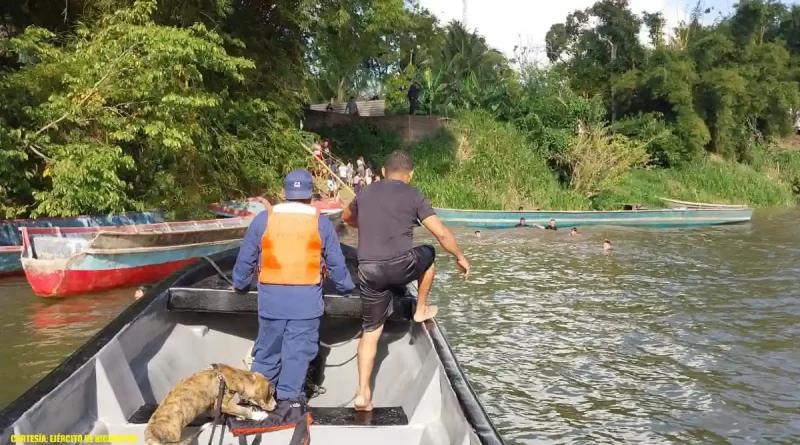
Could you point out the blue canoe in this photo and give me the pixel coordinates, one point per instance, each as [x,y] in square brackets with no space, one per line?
[659,218]
[11,241]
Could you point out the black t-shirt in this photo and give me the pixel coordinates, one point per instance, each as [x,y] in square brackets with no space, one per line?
[387,212]
[550,228]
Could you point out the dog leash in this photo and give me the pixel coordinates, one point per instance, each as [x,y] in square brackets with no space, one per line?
[218,406]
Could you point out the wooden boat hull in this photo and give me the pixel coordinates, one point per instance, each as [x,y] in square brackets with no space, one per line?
[661,218]
[121,259]
[11,241]
[9,261]
[674,203]
[256,205]
[111,384]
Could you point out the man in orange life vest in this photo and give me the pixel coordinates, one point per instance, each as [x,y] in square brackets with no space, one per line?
[291,243]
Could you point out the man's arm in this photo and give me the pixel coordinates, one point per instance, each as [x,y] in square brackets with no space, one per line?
[247,260]
[443,234]
[334,258]
[350,215]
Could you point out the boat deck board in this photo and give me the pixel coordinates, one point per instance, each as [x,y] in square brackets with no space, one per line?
[229,302]
[327,416]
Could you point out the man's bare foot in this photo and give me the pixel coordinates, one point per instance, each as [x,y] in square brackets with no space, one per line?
[425,313]
[362,403]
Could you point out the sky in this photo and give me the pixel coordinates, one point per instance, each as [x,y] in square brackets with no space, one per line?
[507,23]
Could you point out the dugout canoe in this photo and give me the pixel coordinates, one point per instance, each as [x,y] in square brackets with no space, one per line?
[658,218]
[61,262]
[11,241]
[676,204]
[111,384]
[253,206]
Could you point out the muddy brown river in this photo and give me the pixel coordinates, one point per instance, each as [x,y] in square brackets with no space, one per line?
[679,336]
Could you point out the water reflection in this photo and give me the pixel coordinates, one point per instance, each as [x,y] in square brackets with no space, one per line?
[37,334]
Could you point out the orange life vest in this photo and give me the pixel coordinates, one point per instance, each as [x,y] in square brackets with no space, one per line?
[291,248]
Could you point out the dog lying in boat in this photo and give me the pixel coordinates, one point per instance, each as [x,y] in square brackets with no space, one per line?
[198,393]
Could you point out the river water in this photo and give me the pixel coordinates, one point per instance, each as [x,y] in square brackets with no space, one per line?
[678,336]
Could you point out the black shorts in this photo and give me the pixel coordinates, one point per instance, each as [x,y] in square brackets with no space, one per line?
[378,278]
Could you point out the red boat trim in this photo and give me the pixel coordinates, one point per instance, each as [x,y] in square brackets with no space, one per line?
[64,283]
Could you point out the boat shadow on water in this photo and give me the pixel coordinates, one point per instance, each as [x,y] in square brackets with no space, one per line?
[113,383]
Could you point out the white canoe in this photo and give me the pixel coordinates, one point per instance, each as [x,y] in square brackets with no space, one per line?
[112,383]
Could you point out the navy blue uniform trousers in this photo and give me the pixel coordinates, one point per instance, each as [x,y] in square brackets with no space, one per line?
[283,351]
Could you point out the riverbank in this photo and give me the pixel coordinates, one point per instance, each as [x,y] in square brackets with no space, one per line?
[476,162]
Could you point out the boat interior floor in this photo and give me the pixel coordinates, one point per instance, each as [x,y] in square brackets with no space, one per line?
[117,391]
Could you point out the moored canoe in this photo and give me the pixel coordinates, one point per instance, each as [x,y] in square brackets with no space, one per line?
[658,218]
[254,206]
[63,262]
[111,384]
[11,241]
[674,203]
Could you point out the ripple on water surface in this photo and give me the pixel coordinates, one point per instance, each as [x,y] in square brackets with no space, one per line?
[37,334]
[680,336]
[684,336]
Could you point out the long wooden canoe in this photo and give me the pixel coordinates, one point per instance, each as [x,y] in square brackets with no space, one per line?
[660,218]
[674,203]
[60,262]
[253,206]
[11,241]
[112,384]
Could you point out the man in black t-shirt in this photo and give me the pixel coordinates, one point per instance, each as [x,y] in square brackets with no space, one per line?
[385,214]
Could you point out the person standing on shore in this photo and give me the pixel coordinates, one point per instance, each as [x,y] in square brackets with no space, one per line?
[349,173]
[351,108]
[342,171]
[368,174]
[385,214]
[413,97]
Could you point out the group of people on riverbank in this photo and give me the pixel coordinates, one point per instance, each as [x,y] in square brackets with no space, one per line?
[291,248]
[356,175]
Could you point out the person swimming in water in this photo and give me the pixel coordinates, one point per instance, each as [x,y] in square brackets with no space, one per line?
[573,232]
[607,247]
[521,223]
[477,234]
[550,226]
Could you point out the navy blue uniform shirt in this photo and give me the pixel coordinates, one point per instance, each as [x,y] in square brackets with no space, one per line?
[289,302]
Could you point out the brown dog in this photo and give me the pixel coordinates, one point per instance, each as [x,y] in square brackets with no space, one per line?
[198,393]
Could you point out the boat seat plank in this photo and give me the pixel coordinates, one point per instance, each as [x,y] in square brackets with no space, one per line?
[225,301]
[327,416]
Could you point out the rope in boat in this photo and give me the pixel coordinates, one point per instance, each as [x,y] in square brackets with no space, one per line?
[219,271]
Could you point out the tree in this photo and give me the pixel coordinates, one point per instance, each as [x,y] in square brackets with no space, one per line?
[131,114]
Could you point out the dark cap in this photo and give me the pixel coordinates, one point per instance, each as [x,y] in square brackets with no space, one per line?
[298,185]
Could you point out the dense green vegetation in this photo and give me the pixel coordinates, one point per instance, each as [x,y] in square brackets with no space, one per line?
[111,105]
[699,112]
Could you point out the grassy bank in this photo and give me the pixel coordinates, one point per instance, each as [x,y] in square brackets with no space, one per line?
[700,181]
[480,163]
